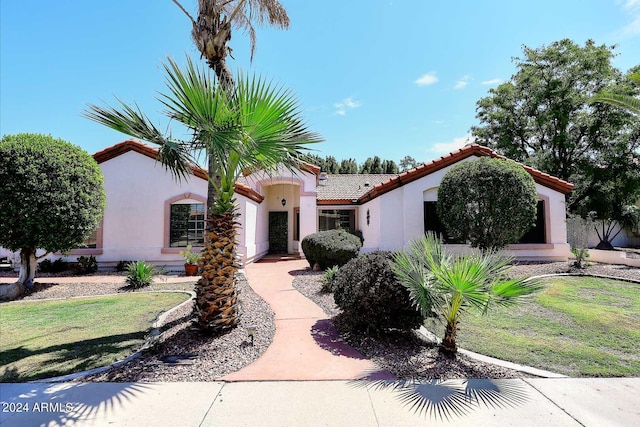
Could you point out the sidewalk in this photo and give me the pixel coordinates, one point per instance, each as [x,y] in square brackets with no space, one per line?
[533,402]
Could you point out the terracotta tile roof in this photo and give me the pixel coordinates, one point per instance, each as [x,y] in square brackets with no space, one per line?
[344,188]
[151,152]
[541,178]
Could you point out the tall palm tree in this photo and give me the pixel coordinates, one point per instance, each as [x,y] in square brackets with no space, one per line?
[449,286]
[211,31]
[627,102]
[256,125]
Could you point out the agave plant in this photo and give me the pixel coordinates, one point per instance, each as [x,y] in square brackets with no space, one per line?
[139,274]
[449,286]
[253,125]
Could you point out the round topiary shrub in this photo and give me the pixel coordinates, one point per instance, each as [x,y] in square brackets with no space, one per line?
[489,202]
[371,298]
[330,248]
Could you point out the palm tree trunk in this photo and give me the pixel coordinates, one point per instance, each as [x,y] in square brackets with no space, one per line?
[448,345]
[216,298]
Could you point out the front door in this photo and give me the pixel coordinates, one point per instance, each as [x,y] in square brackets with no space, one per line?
[278,232]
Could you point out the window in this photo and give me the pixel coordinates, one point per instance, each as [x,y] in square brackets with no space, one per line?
[537,233]
[330,219]
[433,224]
[90,242]
[296,224]
[186,225]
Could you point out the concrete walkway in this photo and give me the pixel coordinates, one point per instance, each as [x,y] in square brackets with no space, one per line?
[306,345]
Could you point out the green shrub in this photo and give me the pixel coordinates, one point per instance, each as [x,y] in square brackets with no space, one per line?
[140,274]
[489,202]
[328,278]
[57,266]
[87,264]
[367,291]
[331,247]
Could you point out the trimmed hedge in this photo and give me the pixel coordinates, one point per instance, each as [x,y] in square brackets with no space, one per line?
[330,248]
[370,296]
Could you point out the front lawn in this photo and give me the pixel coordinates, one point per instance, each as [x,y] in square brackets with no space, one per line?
[42,339]
[578,326]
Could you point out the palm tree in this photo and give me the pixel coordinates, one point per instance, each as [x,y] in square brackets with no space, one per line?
[211,31]
[627,102]
[449,286]
[256,125]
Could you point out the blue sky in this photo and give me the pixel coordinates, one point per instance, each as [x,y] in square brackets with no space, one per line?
[374,77]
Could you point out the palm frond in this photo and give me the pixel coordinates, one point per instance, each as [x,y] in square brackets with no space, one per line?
[173,154]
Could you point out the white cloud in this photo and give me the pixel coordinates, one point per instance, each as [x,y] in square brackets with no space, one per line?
[462,83]
[346,104]
[492,82]
[457,143]
[632,9]
[427,79]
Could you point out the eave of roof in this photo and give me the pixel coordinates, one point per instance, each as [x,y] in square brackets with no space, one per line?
[541,178]
[137,146]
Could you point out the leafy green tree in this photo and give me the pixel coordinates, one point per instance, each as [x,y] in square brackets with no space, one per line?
[348,166]
[407,163]
[449,286]
[543,118]
[254,126]
[389,166]
[51,197]
[490,202]
[372,165]
[331,165]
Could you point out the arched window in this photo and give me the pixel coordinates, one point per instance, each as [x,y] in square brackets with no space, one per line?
[184,221]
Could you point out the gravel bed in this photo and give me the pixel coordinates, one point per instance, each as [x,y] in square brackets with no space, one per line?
[183,354]
[410,356]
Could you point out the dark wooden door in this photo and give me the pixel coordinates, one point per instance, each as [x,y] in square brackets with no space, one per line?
[278,232]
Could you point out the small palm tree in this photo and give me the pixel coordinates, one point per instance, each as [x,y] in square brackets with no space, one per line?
[449,286]
[255,125]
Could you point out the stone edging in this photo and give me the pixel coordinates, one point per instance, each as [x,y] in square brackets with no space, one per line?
[510,365]
[151,339]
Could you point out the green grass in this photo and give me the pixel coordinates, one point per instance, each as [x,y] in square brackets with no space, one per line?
[578,326]
[42,339]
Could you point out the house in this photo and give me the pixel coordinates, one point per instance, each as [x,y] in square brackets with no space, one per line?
[150,216]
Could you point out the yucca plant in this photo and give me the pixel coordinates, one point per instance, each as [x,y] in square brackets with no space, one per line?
[253,125]
[450,285]
[140,274]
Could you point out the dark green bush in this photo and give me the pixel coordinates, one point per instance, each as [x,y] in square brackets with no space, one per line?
[490,202]
[87,264]
[57,266]
[331,247]
[367,291]
[122,265]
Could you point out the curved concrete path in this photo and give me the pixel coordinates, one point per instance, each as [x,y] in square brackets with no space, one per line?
[306,345]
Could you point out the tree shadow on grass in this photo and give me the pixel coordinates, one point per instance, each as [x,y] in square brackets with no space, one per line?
[64,403]
[450,399]
[89,351]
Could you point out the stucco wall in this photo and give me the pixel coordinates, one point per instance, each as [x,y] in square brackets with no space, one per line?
[137,188]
